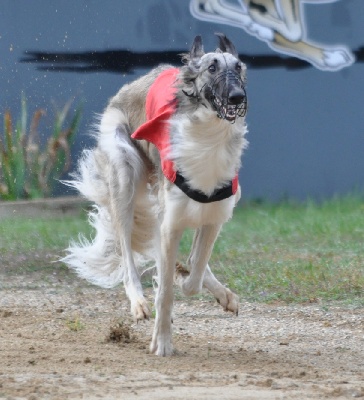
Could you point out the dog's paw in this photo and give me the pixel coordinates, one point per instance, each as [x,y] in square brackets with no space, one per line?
[162,347]
[140,309]
[229,301]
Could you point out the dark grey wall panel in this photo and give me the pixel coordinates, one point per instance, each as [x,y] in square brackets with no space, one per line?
[306,125]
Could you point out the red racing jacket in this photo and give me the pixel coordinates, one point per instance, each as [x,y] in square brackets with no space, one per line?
[161,104]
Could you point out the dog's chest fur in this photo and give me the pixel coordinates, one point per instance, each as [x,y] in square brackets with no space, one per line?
[206,150]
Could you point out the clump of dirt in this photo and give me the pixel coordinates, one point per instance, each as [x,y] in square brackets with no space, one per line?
[121,332]
[5,313]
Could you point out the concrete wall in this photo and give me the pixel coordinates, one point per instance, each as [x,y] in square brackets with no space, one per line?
[305,124]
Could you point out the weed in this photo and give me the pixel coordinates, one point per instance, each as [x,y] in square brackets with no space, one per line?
[28,169]
[75,324]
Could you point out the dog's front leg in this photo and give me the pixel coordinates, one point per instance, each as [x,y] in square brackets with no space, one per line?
[228,300]
[191,283]
[224,296]
[161,344]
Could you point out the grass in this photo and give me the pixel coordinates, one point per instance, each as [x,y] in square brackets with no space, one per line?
[75,324]
[284,252]
[25,235]
[295,253]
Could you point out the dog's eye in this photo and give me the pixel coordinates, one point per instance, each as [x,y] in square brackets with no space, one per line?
[212,68]
[238,68]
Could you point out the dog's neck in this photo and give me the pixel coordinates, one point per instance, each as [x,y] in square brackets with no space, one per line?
[206,150]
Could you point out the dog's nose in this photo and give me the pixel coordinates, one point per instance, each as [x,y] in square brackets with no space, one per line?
[236,97]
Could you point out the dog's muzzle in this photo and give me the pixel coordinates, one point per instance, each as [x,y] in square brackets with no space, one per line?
[227,95]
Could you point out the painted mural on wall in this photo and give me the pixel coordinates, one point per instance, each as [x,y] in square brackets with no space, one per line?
[279,23]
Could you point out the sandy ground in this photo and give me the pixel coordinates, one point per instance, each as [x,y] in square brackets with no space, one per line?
[62,339]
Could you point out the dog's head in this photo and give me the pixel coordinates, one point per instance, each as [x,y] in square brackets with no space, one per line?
[216,80]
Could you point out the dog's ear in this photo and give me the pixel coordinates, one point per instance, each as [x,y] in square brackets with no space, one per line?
[197,50]
[225,45]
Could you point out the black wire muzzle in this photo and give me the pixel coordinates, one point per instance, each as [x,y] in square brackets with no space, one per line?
[227,95]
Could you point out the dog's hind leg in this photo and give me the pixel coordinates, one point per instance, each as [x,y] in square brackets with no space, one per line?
[125,182]
[224,296]
[122,205]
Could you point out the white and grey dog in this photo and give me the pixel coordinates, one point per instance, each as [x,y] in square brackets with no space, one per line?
[168,152]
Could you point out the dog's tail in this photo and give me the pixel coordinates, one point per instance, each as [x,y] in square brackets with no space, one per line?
[97,260]
[88,180]
[100,260]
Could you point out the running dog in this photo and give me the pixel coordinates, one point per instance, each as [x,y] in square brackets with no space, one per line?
[168,151]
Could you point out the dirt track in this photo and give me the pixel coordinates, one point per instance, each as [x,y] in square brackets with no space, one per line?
[59,341]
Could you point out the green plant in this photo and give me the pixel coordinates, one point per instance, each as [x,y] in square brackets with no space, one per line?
[29,169]
[75,324]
